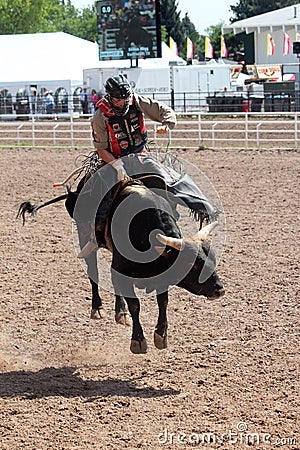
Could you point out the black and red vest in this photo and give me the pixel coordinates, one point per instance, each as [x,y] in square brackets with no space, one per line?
[127,134]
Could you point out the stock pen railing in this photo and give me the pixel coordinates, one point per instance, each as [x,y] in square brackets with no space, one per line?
[194,131]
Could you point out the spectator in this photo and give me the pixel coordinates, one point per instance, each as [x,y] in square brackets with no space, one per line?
[33,101]
[94,100]
[84,101]
[49,102]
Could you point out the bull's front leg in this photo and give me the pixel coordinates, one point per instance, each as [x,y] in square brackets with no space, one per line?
[138,341]
[160,333]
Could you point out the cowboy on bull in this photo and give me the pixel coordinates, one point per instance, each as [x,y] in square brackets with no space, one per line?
[120,139]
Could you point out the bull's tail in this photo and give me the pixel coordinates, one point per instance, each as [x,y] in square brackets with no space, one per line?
[29,208]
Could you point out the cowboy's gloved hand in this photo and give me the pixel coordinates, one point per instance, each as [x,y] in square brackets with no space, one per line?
[162,129]
[119,167]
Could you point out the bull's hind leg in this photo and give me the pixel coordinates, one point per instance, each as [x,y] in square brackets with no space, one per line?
[138,341]
[84,234]
[122,315]
[160,333]
[97,311]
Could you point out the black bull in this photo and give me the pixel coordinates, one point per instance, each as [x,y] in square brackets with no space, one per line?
[147,252]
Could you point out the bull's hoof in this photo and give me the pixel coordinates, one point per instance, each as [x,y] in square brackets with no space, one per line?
[123,318]
[138,347]
[160,342]
[98,313]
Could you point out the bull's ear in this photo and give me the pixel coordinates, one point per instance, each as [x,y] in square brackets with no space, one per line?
[204,233]
[171,241]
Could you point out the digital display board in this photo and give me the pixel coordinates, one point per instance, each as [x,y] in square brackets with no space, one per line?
[128,29]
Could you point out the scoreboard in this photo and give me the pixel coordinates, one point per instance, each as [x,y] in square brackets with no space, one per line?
[128,29]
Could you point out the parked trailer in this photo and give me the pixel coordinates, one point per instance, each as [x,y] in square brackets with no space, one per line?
[150,82]
[174,85]
[194,83]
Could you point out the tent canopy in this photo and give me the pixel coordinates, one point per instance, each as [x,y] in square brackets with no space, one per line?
[284,17]
[60,56]
[45,56]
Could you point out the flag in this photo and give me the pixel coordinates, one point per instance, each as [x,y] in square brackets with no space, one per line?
[224,51]
[173,46]
[209,51]
[189,48]
[286,44]
[270,45]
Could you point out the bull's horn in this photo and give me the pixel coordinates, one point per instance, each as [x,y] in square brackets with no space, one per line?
[171,241]
[205,231]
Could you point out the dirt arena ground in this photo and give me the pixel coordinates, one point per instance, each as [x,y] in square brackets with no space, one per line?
[230,377]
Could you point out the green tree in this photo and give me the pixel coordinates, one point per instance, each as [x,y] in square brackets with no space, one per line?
[191,32]
[249,8]
[41,16]
[214,33]
[80,23]
[170,20]
[87,24]
[28,16]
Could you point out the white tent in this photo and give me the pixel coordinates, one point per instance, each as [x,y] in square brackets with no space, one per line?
[32,64]
[57,60]
[45,56]
[59,56]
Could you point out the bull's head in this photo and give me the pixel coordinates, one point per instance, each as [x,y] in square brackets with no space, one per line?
[202,278]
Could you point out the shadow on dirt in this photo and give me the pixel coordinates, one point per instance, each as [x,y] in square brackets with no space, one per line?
[65,382]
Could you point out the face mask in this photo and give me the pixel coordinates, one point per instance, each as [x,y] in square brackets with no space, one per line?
[119,105]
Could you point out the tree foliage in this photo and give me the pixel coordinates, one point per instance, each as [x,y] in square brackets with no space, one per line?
[249,8]
[170,20]
[191,32]
[28,16]
[40,16]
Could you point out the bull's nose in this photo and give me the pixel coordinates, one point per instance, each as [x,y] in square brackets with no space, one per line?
[221,292]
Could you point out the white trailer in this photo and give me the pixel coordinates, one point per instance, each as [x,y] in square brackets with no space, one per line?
[150,82]
[193,84]
[179,86]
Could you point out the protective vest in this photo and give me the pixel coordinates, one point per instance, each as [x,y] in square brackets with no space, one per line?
[128,133]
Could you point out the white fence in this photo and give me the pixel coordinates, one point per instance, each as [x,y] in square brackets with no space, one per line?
[194,131]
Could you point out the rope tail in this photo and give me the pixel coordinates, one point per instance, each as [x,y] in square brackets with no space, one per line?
[29,208]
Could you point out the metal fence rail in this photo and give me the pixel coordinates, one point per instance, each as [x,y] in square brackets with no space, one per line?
[269,97]
[194,131]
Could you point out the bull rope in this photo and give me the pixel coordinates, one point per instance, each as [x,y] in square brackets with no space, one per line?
[90,165]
